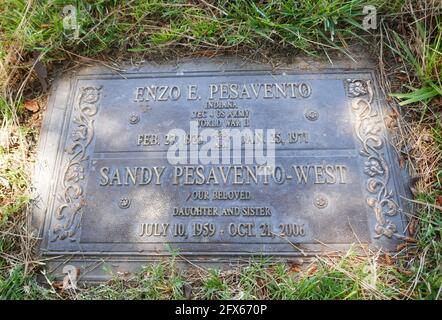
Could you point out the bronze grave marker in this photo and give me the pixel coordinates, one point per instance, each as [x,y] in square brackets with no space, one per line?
[132,165]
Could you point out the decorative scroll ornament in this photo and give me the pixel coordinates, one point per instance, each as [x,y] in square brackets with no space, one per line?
[368,131]
[71,196]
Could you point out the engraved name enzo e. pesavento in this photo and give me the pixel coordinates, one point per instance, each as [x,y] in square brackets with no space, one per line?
[225,91]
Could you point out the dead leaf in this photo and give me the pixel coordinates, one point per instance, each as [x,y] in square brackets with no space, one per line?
[70,280]
[57,285]
[294,268]
[312,270]
[410,240]
[393,113]
[439,201]
[260,283]
[32,105]
[262,287]
[388,259]
[389,123]
[412,227]
[401,246]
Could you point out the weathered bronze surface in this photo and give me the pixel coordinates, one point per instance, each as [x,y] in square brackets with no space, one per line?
[109,198]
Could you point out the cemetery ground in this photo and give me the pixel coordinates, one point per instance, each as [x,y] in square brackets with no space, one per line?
[34,47]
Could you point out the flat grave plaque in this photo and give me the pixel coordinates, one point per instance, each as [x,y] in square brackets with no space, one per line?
[134,164]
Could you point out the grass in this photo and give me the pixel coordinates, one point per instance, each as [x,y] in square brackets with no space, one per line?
[425,63]
[407,43]
[153,26]
[338,278]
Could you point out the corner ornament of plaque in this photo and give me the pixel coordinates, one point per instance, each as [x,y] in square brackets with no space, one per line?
[368,131]
[68,214]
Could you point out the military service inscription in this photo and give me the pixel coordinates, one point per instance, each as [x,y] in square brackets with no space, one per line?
[216,163]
